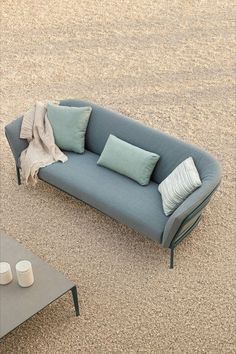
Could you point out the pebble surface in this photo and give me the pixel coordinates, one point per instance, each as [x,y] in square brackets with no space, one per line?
[170,65]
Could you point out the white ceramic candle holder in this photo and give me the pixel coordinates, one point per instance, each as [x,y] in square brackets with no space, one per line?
[5,273]
[24,273]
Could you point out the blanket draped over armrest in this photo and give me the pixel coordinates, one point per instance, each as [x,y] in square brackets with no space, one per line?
[42,150]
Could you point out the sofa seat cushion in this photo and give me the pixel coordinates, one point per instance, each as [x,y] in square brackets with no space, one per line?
[139,207]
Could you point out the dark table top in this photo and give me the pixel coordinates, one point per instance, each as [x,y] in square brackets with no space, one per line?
[18,304]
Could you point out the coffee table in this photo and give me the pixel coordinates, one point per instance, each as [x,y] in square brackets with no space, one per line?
[19,304]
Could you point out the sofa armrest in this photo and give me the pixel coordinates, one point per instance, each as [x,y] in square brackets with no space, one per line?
[190,210]
[17,145]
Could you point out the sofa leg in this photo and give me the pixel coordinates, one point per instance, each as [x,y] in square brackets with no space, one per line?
[18,175]
[172,257]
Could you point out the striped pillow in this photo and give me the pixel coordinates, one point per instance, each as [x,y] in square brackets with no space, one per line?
[180,183]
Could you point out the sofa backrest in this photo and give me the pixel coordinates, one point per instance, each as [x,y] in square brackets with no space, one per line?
[172,151]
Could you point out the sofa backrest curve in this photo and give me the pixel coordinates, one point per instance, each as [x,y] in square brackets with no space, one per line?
[17,145]
[172,150]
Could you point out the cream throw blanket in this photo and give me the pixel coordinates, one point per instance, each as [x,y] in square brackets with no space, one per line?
[42,150]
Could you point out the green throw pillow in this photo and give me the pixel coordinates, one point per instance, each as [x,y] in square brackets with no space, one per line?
[128,160]
[69,126]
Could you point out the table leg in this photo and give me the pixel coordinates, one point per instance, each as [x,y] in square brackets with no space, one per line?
[75,299]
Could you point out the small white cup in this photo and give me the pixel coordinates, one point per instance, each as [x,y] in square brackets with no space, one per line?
[5,273]
[24,273]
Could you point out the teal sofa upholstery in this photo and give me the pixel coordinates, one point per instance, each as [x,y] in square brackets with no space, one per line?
[121,198]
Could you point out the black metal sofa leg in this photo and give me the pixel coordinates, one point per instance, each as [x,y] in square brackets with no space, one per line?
[18,175]
[172,257]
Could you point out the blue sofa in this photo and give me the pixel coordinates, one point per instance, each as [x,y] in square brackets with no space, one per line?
[139,207]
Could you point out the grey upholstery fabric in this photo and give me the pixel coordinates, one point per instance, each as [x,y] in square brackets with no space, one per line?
[189,205]
[115,195]
[172,151]
[17,145]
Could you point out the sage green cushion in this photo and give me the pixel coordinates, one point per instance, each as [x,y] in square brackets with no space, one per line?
[128,160]
[69,126]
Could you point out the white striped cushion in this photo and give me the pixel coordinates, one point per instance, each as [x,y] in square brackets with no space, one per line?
[176,187]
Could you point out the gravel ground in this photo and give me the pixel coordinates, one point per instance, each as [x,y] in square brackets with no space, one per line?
[168,64]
